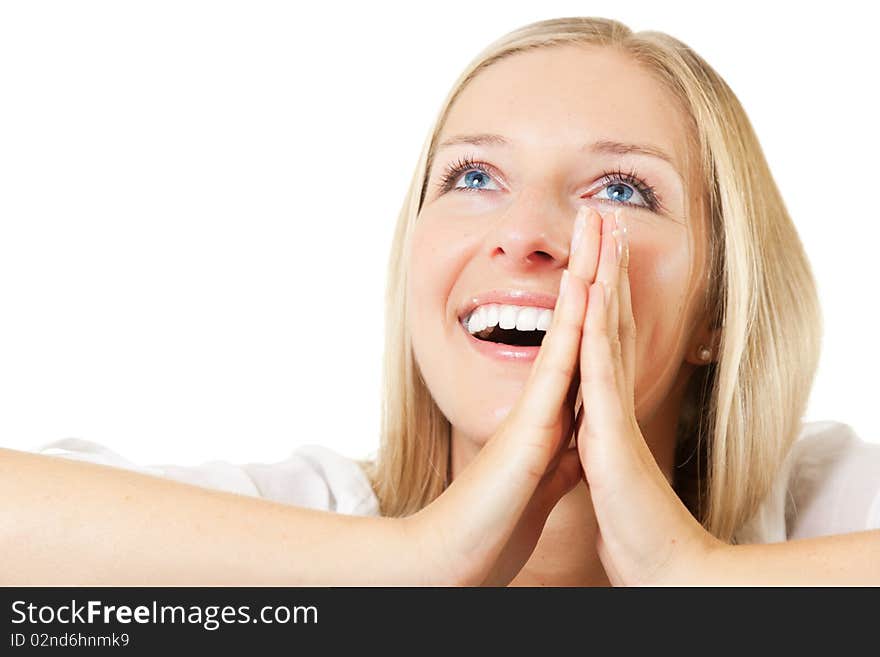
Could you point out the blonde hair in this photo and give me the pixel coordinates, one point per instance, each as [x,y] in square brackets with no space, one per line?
[742,412]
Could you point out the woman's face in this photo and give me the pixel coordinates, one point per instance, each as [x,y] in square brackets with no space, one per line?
[580,126]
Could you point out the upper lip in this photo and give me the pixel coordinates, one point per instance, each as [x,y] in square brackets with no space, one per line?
[515,297]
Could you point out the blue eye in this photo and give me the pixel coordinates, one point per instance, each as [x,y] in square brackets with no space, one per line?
[620,187]
[627,188]
[476,177]
[479,178]
[622,193]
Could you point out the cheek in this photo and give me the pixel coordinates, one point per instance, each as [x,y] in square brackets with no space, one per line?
[435,262]
[658,281]
[439,259]
[659,274]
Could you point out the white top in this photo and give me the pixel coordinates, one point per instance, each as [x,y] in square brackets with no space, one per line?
[828,484]
[312,476]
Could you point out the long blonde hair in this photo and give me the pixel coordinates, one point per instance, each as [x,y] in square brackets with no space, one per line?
[743,411]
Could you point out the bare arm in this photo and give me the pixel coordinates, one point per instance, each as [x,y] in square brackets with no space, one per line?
[68,522]
[851,559]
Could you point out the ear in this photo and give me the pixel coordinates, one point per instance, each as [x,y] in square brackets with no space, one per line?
[703,347]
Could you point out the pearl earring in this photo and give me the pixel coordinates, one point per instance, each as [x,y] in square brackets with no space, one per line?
[705,353]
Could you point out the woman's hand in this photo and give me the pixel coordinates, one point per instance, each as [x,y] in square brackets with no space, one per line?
[646,534]
[484,527]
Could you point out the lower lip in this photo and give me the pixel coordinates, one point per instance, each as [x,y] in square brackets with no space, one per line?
[505,352]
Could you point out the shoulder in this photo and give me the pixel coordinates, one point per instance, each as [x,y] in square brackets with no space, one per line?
[317,477]
[828,484]
[311,476]
[834,483]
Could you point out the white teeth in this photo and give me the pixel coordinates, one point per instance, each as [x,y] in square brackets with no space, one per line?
[522,318]
[476,322]
[527,319]
[544,319]
[491,314]
[507,317]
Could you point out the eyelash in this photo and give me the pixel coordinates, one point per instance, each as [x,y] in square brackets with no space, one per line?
[631,177]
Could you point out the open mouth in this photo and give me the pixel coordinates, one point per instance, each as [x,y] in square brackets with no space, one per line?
[511,336]
[519,326]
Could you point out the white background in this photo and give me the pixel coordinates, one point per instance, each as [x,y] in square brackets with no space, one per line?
[197,201]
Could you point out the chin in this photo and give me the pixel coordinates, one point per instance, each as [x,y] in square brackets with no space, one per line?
[479,432]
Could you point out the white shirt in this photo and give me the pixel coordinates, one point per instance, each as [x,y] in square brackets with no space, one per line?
[312,476]
[828,484]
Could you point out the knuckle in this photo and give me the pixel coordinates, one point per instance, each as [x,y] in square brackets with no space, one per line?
[561,373]
[601,376]
[568,325]
[597,329]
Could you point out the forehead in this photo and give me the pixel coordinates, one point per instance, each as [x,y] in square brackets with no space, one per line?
[563,96]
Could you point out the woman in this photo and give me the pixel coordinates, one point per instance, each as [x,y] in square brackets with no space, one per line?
[654,437]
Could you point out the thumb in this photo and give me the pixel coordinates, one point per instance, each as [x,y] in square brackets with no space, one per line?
[562,479]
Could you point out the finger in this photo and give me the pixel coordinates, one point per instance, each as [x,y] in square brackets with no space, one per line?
[613,307]
[598,372]
[613,316]
[583,256]
[557,347]
[551,377]
[573,392]
[572,401]
[627,321]
[569,412]
[607,272]
[607,269]
[583,262]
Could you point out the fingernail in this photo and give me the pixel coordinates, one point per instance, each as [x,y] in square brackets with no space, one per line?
[563,283]
[595,222]
[618,251]
[580,223]
[622,239]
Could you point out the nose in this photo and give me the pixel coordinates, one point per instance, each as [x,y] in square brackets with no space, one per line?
[532,238]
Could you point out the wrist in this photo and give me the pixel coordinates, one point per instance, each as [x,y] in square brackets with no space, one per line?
[429,552]
[717,563]
[696,560]
[711,561]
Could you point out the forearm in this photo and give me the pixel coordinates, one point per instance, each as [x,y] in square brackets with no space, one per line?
[66,522]
[840,560]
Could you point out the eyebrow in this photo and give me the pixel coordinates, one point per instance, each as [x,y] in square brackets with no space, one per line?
[600,146]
